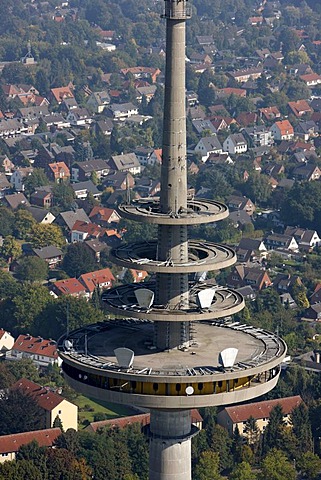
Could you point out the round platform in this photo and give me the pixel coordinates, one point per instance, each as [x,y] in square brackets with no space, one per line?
[160,378]
[202,257]
[198,211]
[122,301]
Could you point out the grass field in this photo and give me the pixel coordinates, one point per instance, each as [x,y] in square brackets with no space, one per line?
[88,408]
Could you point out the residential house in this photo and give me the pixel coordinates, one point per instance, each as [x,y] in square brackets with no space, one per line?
[242,76]
[18,178]
[58,172]
[6,164]
[83,189]
[105,217]
[138,275]
[79,117]
[82,231]
[69,286]
[6,342]
[119,181]
[208,145]
[121,111]
[41,215]
[316,295]
[127,162]
[83,170]
[11,444]
[307,172]
[247,292]
[306,130]
[299,108]
[236,202]
[258,136]
[5,186]
[56,120]
[146,187]
[142,72]
[311,79]
[148,156]
[313,312]
[204,126]
[42,352]
[282,130]
[236,416]
[53,404]
[16,200]
[227,91]
[104,127]
[240,218]
[145,93]
[243,275]
[66,220]
[235,144]
[191,98]
[42,198]
[277,241]
[101,279]
[307,239]
[51,254]
[96,247]
[284,282]
[270,113]
[98,101]
[61,93]
[250,249]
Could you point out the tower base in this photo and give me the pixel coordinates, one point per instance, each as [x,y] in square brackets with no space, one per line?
[170,445]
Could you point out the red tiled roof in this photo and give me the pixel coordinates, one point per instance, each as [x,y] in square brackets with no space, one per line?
[87,227]
[139,275]
[103,213]
[300,107]
[235,91]
[44,438]
[241,413]
[61,93]
[36,345]
[59,167]
[95,279]
[285,127]
[143,419]
[44,397]
[69,286]
[310,77]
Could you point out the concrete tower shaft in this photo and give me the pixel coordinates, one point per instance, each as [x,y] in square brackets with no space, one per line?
[172,290]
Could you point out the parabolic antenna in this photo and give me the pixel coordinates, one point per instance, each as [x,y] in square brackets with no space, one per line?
[124,356]
[145,297]
[227,357]
[205,297]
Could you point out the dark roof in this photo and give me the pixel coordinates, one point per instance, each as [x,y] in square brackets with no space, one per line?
[71,217]
[47,252]
[16,199]
[86,185]
[38,213]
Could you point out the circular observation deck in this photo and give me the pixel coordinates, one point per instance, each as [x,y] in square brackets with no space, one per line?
[158,379]
[122,301]
[198,211]
[202,257]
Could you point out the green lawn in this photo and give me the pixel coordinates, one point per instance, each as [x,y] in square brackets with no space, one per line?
[110,409]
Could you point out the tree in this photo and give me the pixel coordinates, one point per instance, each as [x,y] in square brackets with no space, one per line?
[6,221]
[32,269]
[11,249]
[208,466]
[242,471]
[310,465]
[276,466]
[19,413]
[78,260]
[272,434]
[23,224]
[43,235]
[302,427]
[28,305]
[24,368]
[63,196]
[252,432]
[37,178]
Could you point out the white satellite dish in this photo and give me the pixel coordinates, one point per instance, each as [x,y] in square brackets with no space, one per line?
[68,344]
[124,356]
[205,297]
[227,357]
[189,390]
[145,297]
